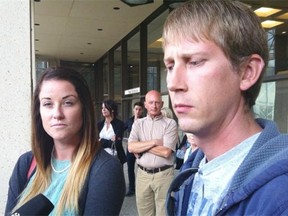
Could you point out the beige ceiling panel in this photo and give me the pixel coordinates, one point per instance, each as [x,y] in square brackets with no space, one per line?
[104,9]
[50,25]
[60,8]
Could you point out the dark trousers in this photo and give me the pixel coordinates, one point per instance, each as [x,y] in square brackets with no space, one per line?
[131,167]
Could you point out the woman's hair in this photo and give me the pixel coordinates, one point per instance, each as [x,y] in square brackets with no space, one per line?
[42,143]
[229,24]
[111,105]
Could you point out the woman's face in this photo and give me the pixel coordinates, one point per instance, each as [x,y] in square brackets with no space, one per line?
[105,111]
[61,111]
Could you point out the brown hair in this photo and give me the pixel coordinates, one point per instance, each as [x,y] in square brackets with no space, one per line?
[42,144]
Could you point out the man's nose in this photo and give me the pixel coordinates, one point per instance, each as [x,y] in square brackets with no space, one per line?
[176,79]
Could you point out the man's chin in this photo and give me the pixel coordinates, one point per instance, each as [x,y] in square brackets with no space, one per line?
[184,125]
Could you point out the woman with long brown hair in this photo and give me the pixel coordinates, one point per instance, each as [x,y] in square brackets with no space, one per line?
[72,171]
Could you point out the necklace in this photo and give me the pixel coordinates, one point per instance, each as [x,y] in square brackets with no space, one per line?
[54,169]
[59,171]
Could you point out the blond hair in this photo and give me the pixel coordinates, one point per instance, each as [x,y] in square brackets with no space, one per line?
[42,145]
[231,25]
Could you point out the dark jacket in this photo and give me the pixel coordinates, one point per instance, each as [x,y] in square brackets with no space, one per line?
[118,127]
[259,186]
[105,184]
[128,124]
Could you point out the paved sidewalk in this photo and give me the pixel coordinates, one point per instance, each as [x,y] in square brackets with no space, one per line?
[129,206]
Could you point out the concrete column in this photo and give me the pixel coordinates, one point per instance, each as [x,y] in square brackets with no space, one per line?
[15,87]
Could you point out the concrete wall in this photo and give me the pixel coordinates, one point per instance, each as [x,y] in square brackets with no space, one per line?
[15,87]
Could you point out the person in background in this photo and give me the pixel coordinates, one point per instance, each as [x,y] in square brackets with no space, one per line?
[138,112]
[215,54]
[72,170]
[111,129]
[167,112]
[153,140]
[186,147]
[191,148]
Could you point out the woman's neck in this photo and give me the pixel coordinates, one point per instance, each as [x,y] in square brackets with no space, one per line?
[108,119]
[63,152]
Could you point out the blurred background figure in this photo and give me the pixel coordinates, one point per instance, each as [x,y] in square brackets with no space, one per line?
[153,140]
[192,146]
[111,129]
[186,147]
[138,113]
[167,112]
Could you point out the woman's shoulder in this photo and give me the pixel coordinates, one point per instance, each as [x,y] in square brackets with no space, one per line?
[20,171]
[117,121]
[25,159]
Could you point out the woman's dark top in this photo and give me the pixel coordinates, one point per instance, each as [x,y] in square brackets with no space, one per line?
[103,191]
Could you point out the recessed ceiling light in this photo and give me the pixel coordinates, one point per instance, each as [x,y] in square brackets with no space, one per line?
[100,29]
[160,40]
[284,32]
[89,43]
[36,39]
[37,24]
[136,2]
[116,8]
[270,23]
[265,11]
[283,16]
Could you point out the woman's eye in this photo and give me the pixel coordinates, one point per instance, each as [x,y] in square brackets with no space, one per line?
[68,103]
[47,104]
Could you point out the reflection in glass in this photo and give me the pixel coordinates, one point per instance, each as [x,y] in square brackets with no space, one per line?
[272,103]
[156,76]
[117,74]
[133,61]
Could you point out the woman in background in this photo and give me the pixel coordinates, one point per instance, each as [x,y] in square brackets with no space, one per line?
[111,129]
[72,170]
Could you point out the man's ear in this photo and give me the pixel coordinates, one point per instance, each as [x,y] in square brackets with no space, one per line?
[251,71]
[145,104]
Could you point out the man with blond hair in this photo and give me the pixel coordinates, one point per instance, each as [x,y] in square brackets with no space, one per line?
[215,52]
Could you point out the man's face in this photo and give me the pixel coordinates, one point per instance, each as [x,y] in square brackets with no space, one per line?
[153,104]
[203,87]
[138,111]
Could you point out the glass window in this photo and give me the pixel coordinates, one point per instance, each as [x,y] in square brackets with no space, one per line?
[117,74]
[133,65]
[277,32]
[272,103]
[156,75]
[105,78]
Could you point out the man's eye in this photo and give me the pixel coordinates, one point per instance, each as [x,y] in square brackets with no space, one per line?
[169,68]
[196,63]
